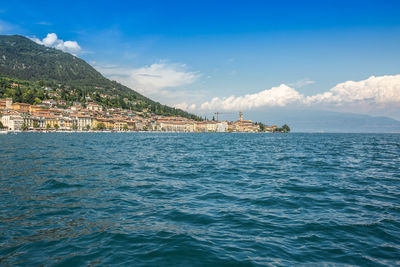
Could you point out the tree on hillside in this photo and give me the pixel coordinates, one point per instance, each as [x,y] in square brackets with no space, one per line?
[35,67]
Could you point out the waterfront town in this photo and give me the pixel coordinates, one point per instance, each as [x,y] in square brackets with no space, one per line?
[90,116]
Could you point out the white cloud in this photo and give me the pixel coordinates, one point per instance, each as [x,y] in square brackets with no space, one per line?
[276,96]
[161,75]
[301,83]
[376,90]
[185,106]
[51,40]
[364,96]
[154,79]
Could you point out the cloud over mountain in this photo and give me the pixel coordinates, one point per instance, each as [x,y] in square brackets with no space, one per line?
[153,79]
[276,96]
[377,90]
[377,93]
[51,40]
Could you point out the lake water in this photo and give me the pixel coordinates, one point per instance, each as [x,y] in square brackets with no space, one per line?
[199,199]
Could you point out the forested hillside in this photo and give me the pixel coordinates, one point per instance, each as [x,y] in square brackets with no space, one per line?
[35,67]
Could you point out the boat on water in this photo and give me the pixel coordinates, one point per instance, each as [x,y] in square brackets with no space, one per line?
[3,132]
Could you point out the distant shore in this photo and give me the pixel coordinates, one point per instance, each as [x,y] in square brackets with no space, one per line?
[113,131]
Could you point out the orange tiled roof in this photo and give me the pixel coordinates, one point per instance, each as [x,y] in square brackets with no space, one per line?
[21,104]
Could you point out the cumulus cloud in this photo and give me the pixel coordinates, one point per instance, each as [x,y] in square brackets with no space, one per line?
[369,94]
[51,40]
[153,79]
[185,106]
[276,96]
[161,75]
[376,90]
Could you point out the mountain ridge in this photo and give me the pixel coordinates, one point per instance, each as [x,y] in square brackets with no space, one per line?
[25,60]
[301,120]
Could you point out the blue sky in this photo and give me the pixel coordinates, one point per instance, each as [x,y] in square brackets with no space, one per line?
[283,54]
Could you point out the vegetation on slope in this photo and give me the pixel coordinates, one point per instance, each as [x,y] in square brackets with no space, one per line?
[35,67]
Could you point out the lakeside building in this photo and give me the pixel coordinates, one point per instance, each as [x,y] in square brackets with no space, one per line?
[5,103]
[21,107]
[120,125]
[222,127]
[206,126]
[12,120]
[82,121]
[47,116]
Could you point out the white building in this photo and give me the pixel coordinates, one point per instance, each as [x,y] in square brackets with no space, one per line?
[82,121]
[49,102]
[222,126]
[12,122]
[94,107]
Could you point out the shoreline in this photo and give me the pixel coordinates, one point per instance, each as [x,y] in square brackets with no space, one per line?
[30,131]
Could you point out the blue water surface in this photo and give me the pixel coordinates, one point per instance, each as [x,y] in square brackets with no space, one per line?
[131,199]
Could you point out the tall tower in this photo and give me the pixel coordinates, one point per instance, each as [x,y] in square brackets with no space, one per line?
[240,115]
[8,103]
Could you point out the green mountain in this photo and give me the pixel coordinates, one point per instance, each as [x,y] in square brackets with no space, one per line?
[35,66]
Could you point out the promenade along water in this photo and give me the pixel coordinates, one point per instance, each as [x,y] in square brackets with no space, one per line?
[199,199]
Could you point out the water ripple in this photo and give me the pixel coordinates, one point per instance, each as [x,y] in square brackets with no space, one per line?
[199,199]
